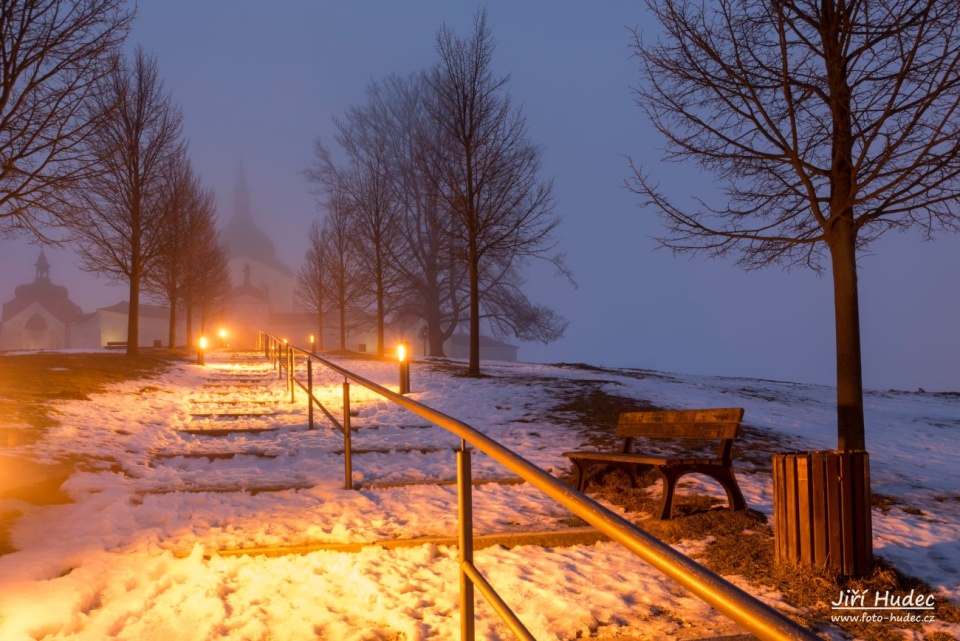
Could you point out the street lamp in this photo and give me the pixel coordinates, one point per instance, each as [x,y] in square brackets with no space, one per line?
[223,338]
[201,347]
[403,357]
[313,340]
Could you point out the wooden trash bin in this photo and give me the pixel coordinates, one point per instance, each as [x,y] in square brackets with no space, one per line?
[821,510]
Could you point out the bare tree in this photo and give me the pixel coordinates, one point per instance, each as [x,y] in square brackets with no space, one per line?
[338,258]
[829,122]
[207,282]
[312,289]
[189,233]
[510,313]
[433,281]
[485,169]
[53,55]
[365,180]
[119,212]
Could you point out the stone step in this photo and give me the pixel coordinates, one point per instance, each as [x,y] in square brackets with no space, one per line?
[213,456]
[547,538]
[231,415]
[32,482]
[253,490]
[381,485]
[239,401]
[225,431]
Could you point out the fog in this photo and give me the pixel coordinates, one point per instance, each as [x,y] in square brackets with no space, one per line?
[257,86]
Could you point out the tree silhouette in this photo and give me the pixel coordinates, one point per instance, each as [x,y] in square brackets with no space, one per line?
[827,122]
[486,171]
[53,55]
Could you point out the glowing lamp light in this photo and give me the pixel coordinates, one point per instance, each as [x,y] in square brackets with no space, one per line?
[203,342]
[402,357]
[313,339]
[223,333]
[201,346]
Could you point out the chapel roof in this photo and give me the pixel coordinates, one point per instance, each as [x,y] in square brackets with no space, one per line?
[54,298]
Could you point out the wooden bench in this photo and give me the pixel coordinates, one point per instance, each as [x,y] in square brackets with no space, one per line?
[708,424]
[116,344]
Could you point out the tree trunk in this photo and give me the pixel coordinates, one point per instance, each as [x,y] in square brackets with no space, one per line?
[850,424]
[172,330]
[434,331]
[841,231]
[380,323]
[343,321]
[133,315]
[189,328]
[319,318]
[473,368]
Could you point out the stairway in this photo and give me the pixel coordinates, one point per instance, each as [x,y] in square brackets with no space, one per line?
[242,443]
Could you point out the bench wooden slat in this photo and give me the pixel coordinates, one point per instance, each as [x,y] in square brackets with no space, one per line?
[715,415]
[640,459]
[679,430]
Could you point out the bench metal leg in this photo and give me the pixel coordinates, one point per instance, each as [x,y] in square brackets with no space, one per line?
[670,476]
[725,477]
[722,474]
[581,473]
[630,469]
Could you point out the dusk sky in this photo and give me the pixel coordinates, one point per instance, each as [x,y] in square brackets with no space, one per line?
[259,82]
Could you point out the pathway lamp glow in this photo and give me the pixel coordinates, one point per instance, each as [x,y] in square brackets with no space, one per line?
[223,337]
[403,357]
[201,348]
[313,340]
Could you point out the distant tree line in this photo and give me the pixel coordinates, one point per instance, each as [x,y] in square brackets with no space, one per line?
[433,204]
[92,152]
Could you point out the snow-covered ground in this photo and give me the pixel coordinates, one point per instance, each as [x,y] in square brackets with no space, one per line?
[134,556]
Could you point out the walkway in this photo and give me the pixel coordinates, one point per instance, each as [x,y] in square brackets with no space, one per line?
[205,508]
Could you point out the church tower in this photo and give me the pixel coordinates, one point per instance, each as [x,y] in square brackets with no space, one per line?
[39,314]
[251,254]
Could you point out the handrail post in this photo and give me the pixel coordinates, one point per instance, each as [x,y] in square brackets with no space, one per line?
[310,391]
[465,518]
[291,379]
[347,451]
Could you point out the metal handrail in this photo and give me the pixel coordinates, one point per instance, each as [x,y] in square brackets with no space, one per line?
[752,614]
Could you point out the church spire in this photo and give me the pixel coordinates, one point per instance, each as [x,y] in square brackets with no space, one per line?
[43,266]
[241,197]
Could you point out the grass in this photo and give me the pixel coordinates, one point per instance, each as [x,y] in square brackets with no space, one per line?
[739,543]
[29,382]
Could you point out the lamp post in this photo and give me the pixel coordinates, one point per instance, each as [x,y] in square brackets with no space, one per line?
[201,347]
[403,356]
[313,340]
[223,338]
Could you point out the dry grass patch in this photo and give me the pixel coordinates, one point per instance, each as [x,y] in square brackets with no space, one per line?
[742,544]
[28,382]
